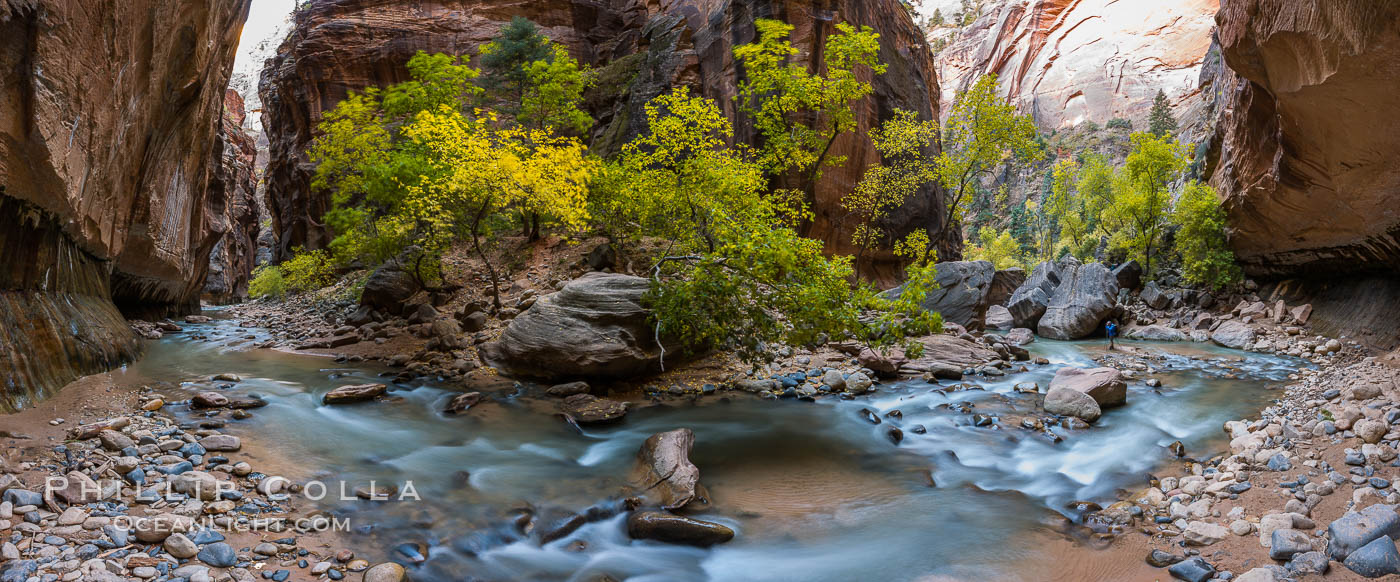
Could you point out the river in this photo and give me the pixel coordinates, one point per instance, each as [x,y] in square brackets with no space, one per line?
[815,491]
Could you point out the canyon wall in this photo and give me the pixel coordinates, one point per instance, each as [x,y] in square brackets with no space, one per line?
[235,183]
[1070,61]
[107,144]
[1305,151]
[641,49]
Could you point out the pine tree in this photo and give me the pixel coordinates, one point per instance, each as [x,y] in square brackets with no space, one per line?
[1160,122]
[505,58]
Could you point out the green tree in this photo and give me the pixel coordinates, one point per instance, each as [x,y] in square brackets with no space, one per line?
[996,247]
[1160,121]
[554,88]
[1141,194]
[937,18]
[505,60]
[1206,258]
[982,135]
[800,114]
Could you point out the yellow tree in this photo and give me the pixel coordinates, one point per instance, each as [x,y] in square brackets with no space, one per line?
[905,167]
[1142,196]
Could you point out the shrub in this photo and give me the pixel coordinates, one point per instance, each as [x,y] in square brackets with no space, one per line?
[1119,123]
[307,271]
[267,282]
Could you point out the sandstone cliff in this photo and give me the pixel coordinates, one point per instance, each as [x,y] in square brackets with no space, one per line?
[642,48]
[1305,154]
[1070,61]
[235,184]
[107,145]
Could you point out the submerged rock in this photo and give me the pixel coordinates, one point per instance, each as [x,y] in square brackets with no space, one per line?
[589,409]
[676,529]
[355,393]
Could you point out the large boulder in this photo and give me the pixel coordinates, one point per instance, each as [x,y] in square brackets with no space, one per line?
[355,393]
[1004,283]
[1104,385]
[1086,296]
[999,318]
[961,296]
[1129,275]
[1234,334]
[1154,297]
[663,469]
[1027,304]
[1065,402]
[388,288]
[1355,529]
[1160,333]
[595,327]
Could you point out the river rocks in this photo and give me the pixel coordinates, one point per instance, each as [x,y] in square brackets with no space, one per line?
[1104,385]
[961,295]
[1020,336]
[1286,543]
[75,488]
[1158,333]
[1375,559]
[999,318]
[1066,402]
[567,389]
[1192,570]
[355,393]
[1153,296]
[1201,533]
[180,546]
[858,383]
[115,441]
[208,399]
[663,469]
[218,555]
[154,529]
[1234,334]
[676,529]
[221,443]
[462,402]
[1356,529]
[589,409]
[595,327]
[386,572]
[1370,431]
[1085,297]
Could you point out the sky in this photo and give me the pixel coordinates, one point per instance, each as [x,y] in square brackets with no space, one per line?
[267,21]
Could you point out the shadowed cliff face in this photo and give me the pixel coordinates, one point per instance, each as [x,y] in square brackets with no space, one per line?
[1309,135]
[642,50]
[234,182]
[107,146]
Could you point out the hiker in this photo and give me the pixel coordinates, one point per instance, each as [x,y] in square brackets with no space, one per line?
[1111,328]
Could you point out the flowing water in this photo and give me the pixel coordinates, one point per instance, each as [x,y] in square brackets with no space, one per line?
[815,491]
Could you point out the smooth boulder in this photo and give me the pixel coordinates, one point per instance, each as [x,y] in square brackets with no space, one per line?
[1086,296]
[1129,275]
[663,469]
[1027,304]
[1355,529]
[1104,385]
[595,327]
[999,318]
[355,393]
[961,296]
[1234,334]
[1066,402]
[388,288]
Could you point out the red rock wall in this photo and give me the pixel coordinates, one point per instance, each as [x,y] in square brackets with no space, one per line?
[234,182]
[338,46]
[107,143]
[1308,135]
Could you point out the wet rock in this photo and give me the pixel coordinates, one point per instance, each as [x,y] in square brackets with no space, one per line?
[1020,336]
[676,529]
[589,409]
[355,393]
[1085,297]
[858,383]
[1375,559]
[663,469]
[386,572]
[835,380]
[595,327]
[209,400]
[462,402]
